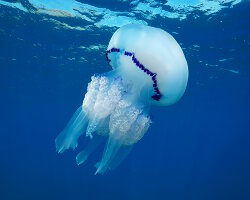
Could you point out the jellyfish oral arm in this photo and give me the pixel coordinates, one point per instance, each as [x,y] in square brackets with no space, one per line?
[111,109]
[68,138]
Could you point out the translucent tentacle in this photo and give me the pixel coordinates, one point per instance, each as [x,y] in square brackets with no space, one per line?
[93,144]
[68,138]
[110,152]
[120,156]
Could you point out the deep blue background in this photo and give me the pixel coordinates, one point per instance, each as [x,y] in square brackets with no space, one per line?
[198,148]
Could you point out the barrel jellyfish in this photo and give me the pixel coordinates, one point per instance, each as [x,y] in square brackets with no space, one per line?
[148,68]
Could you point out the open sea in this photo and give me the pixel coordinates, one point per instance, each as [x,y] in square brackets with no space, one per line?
[196,149]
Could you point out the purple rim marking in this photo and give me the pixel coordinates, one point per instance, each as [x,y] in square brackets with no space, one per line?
[157,96]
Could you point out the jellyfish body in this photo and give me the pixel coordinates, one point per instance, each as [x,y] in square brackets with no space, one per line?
[149,68]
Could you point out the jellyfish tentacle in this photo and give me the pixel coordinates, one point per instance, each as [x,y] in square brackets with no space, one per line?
[120,156]
[68,138]
[93,144]
[124,119]
[111,149]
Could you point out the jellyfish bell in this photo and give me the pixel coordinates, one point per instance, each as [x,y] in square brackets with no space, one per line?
[156,54]
[148,68]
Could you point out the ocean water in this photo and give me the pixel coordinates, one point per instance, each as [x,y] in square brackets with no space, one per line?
[197,149]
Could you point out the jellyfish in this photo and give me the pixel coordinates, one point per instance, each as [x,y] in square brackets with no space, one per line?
[148,69]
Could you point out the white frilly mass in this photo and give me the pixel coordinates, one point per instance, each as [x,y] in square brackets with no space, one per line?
[117,104]
[107,110]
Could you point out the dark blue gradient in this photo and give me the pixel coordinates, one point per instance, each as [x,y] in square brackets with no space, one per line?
[197,149]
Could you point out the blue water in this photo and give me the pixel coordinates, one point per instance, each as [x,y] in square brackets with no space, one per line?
[196,149]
